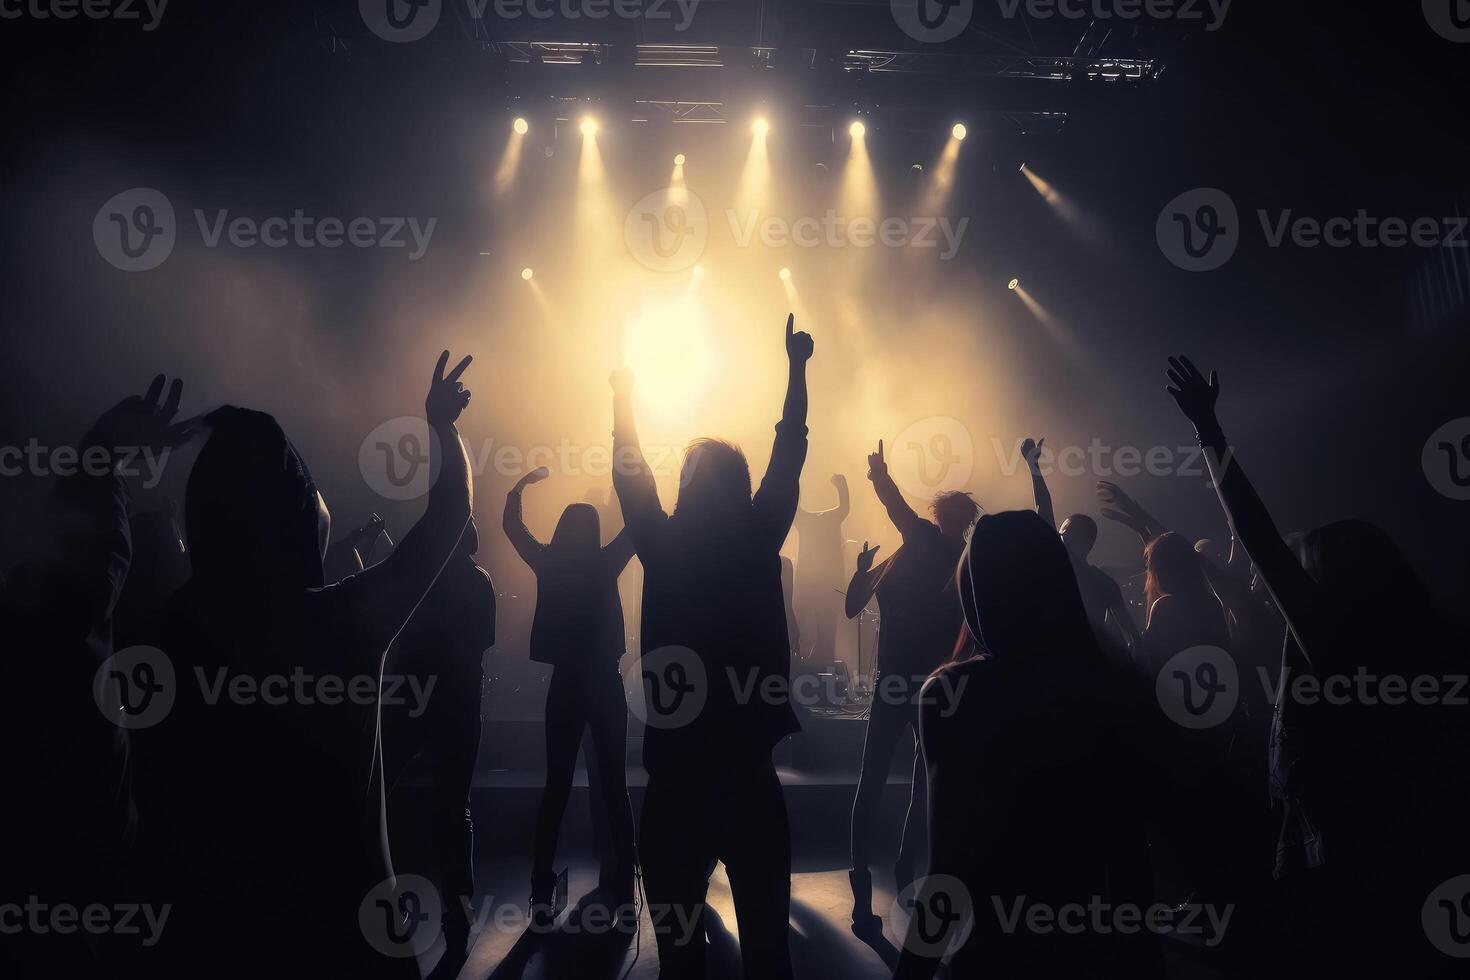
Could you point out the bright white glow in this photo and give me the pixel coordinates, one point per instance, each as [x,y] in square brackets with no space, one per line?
[678,159]
[784,273]
[666,347]
[761,127]
[521,126]
[959,131]
[589,126]
[857,129]
[526,273]
[699,272]
[1013,284]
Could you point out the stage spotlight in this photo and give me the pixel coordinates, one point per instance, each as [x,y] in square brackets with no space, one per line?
[589,126]
[520,126]
[1013,284]
[761,127]
[678,159]
[526,273]
[785,274]
[959,131]
[857,129]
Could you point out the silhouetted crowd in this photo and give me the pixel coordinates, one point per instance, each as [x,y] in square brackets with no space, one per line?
[1253,764]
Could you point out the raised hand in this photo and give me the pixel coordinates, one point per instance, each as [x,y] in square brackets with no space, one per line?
[799,345]
[447,395]
[1031,451]
[142,422]
[1110,493]
[535,476]
[865,557]
[1194,395]
[1127,520]
[621,381]
[877,465]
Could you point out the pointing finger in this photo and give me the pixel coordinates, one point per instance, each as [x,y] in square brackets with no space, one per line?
[439,368]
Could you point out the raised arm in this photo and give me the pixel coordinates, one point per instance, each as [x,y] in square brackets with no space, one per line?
[618,552]
[775,501]
[91,504]
[864,582]
[521,538]
[633,481]
[394,586]
[1296,595]
[899,512]
[1031,451]
[844,501]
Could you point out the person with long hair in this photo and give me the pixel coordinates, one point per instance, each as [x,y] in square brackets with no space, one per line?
[578,630]
[269,809]
[715,659]
[1037,784]
[1372,786]
[920,621]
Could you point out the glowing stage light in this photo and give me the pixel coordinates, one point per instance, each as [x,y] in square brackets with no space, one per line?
[857,129]
[785,274]
[760,127]
[678,159]
[959,131]
[666,345]
[589,126]
[699,272]
[520,126]
[526,273]
[1013,284]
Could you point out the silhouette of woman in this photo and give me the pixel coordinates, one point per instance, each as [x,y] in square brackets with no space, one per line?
[1036,792]
[267,810]
[716,663]
[578,629]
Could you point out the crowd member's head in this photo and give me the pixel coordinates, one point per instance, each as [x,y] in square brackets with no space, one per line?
[1171,567]
[954,511]
[1079,534]
[578,531]
[253,516]
[1019,590]
[714,482]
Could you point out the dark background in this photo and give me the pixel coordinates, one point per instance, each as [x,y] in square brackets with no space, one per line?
[1334,374]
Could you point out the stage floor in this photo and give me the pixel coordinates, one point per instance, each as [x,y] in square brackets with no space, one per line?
[822,945]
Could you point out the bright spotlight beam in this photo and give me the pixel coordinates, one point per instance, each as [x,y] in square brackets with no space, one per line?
[520,126]
[858,194]
[941,179]
[510,158]
[755,176]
